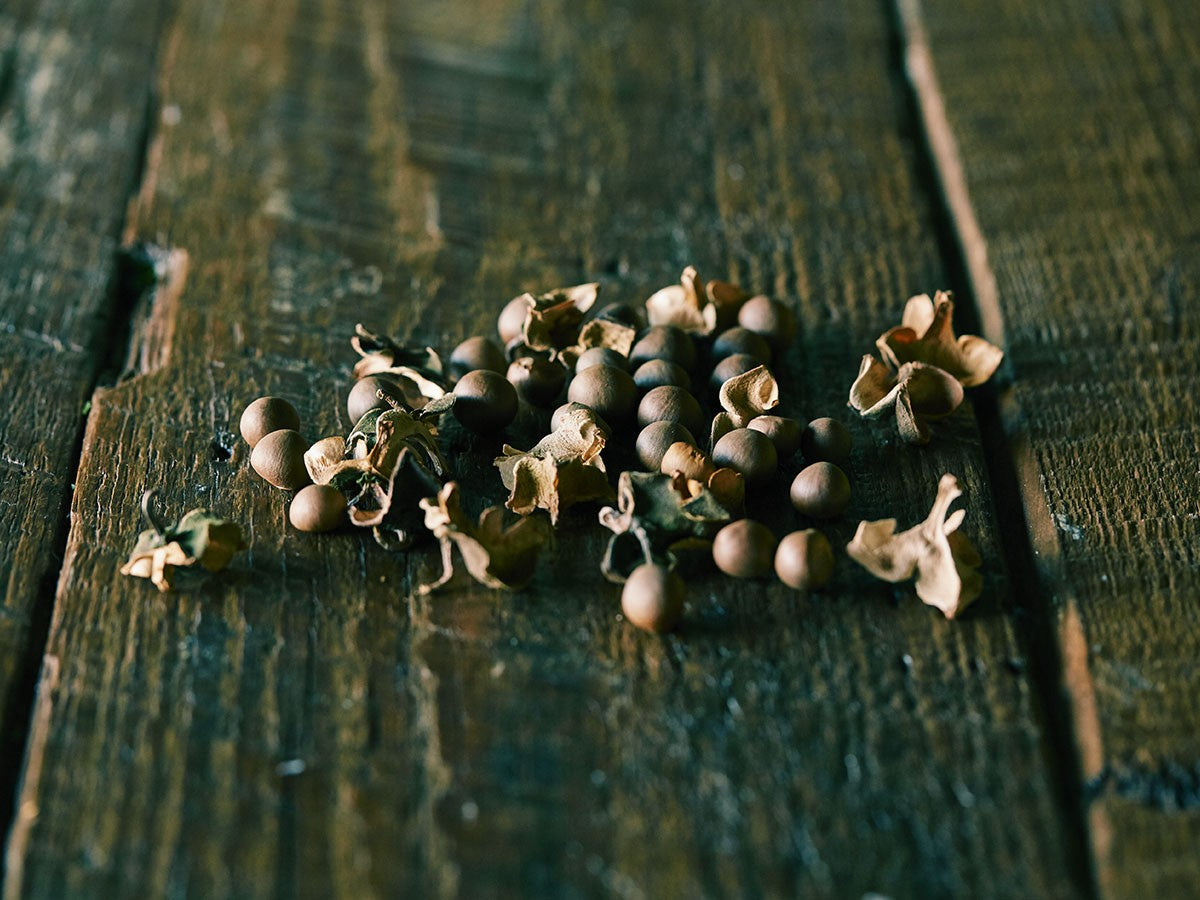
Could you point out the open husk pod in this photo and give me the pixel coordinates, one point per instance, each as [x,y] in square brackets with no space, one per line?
[926,335]
[918,393]
[417,370]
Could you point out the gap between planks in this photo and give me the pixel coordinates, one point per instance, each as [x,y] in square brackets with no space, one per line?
[1028,534]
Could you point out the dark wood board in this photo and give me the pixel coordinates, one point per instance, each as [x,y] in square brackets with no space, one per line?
[1084,180]
[303,724]
[74,93]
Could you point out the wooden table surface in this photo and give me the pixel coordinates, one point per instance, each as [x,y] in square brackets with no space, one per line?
[304,724]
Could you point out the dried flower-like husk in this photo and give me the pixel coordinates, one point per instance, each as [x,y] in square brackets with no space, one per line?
[683,459]
[562,469]
[199,538]
[684,305]
[926,335]
[749,395]
[417,370]
[654,515]
[323,458]
[495,555]
[726,299]
[553,321]
[918,393]
[942,558]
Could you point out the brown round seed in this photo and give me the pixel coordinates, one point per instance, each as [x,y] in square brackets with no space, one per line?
[671,404]
[731,367]
[749,452]
[652,598]
[622,313]
[279,459]
[267,414]
[783,432]
[600,356]
[538,381]
[511,322]
[607,390]
[476,353]
[484,401]
[821,491]
[661,373]
[560,414]
[364,396]
[770,318]
[826,440]
[656,438]
[316,508]
[664,342]
[741,340]
[744,549]
[804,560]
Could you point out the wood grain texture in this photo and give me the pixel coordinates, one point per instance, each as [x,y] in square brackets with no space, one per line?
[73,99]
[1083,180]
[304,724]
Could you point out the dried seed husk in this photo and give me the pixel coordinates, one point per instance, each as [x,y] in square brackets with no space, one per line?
[747,396]
[554,319]
[687,460]
[918,393]
[200,538]
[683,305]
[926,335]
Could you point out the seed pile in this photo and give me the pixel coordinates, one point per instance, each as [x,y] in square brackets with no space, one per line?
[686,385]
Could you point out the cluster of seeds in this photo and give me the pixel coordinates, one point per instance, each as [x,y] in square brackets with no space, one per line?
[698,349]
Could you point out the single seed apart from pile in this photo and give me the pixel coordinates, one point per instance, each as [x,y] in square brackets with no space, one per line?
[664,342]
[749,452]
[770,318]
[656,438]
[804,560]
[600,356]
[821,491]
[484,401]
[671,404]
[317,508]
[731,367]
[538,381]
[279,459]
[744,549]
[609,391]
[783,432]
[741,340]
[661,373]
[511,322]
[364,396]
[477,353]
[826,440]
[267,414]
[653,598]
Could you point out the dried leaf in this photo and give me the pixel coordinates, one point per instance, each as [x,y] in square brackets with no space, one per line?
[683,305]
[926,335]
[942,558]
[919,393]
[199,538]
[748,395]
[553,321]
[382,355]
[495,555]
[562,469]
[654,513]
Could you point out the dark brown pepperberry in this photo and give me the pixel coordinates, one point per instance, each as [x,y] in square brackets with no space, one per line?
[826,440]
[749,452]
[484,401]
[609,391]
[741,340]
[660,373]
[279,459]
[744,549]
[821,491]
[654,440]
[538,381]
[267,414]
[317,508]
[804,560]
[364,396]
[600,356]
[671,404]
[652,598]
[664,342]
[770,318]
[783,432]
[477,353]
[731,367]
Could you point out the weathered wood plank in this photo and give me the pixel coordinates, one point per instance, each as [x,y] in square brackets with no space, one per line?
[73,99]
[1083,181]
[304,724]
